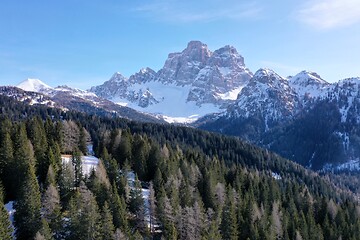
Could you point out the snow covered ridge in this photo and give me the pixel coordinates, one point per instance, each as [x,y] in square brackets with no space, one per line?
[197,82]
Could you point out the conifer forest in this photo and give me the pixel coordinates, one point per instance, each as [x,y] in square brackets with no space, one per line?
[155,181]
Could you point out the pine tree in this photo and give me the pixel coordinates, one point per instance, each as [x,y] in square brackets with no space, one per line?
[37,135]
[7,171]
[76,161]
[107,228]
[27,217]
[124,149]
[118,207]
[139,157]
[136,205]
[23,156]
[228,225]
[5,224]
[84,216]
[83,141]
[66,182]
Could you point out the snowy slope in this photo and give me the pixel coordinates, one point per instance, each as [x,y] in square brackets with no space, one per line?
[267,94]
[171,101]
[33,85]
[309,85]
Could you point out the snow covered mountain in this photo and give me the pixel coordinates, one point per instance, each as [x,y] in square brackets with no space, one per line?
[303,118]
[192,83]
[33,85]
[35,92]
[308,85]
[267,94]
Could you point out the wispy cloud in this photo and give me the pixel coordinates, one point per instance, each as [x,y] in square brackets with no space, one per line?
[200,11]
[329,14]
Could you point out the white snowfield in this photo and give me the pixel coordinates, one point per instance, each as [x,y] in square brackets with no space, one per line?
[88,163]
[172,104]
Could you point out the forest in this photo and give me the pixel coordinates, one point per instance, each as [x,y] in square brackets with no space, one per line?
[201,185]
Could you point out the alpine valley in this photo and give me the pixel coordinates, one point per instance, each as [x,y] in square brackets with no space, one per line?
[302,117]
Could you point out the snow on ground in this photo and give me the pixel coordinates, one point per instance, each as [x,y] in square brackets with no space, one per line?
[87,162]
[145,195]
[172,101]
[10,209]
[276,176]
[231,95]
[189,119]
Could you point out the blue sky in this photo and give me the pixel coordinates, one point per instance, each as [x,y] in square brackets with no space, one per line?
[82,43]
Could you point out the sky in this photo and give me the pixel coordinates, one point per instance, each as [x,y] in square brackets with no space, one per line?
[82,43]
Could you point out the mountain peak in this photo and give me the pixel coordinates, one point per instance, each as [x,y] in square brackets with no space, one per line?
[265,72]
[117,77]
[196,45]
[33,85]
[308,76]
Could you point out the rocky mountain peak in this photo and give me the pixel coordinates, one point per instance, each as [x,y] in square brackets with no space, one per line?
[308,85]
[227,57]
[306,78]
[117,77]
[268,77]
[196,76]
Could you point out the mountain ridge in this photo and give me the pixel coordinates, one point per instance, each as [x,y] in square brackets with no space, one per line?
[214,90]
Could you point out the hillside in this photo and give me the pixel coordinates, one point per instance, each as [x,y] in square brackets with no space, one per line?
[200,184]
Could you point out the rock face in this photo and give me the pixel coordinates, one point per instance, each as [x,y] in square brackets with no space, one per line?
[268,95]
[195,80]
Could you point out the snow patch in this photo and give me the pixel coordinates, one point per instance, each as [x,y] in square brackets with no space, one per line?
[276,176]
[231,95]
[10,209]
[88,163]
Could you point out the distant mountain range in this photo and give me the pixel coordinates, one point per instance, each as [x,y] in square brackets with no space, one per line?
[302,117]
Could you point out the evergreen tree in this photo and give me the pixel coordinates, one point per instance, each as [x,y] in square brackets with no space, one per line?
[5,224]
[84,216]
[140,156]
[23,156]
[66,182]
[7,171]
[27,217]
[228,227]
[83,141]
[136,205]
[76,161]
[118,207]
[107,227]
[37,135]
[124,150]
